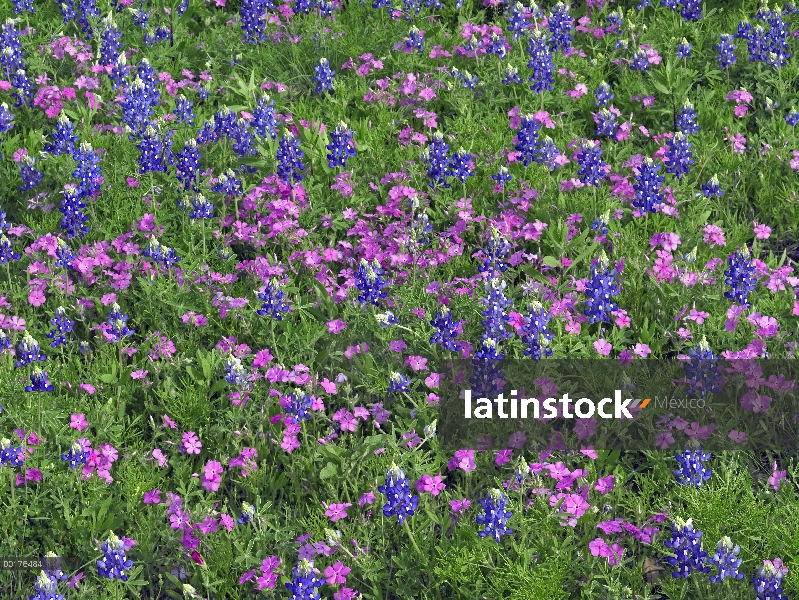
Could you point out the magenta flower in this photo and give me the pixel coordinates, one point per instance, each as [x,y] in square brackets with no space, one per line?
[336,326]
[460,506]
[78,421]
[191,443]
[777,477]
[762,232]
[603,347]
[337,573]
[434,485]
[367,498]
[336,512]
[604,484]
[152,497]
[739,437]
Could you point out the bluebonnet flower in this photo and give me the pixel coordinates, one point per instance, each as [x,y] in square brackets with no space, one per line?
[63,138]
[640,61]
[3,223]
[272,298]
[726,50]
[684,49]
[252,25]
[204,92]
[7,253]
[6,121]
[527,144]
[246,515]
[600,224]
[686,543]
[792,118]
[446,330]
[541,62]
[325,8]
[289,158]
[61,327]
[497,46]
[686,119]
[370,281]
[76,456]
[768,582]
[28,351]
[183,110]
[386,319]
[340,147]
[600,289]
[187,165]
[606,124]
[140,18]
[5,342]
[399,500]
[548,154]
[468,80]
[235,373]
[535,332]
[68,10]
[560,25]
[438,163]
[459,165]
[691,10]
[299,407]
[502,177]
[304,583]
[110,42]
[156,151]
[117,327]
[202,208]
[39,382]
[592,167]
[421,228]
[11,455]
[64,255]
[73,223]
[304,6]
[24,87]
[702,373]
[486,371]
[692,469]
[149,77]
[119,72]
[511,75]
[615,20]
[679,157]
[726,560]
[243,139]
[494,250]
[494,517]
[740,276]
[12,55]
[495,315]
[415,40]
[87,9]
[603,94]
[516,21]
[397,383]
[323,76]
[647,187]
[114,562]
[711,188]
[46,588]
[21,6]
[228,184]
[87,171]
[136,108]
[264,120]
[31,176]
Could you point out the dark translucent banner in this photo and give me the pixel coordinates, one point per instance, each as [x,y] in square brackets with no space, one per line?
[604,404]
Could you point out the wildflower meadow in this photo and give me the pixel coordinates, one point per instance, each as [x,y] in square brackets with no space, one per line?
[255,256]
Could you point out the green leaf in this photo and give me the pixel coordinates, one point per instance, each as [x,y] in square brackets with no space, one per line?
[329,471]
[551,261]
[108,378]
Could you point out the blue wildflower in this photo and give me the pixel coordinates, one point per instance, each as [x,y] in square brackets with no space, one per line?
[726,561]
[272,298]
[692,469]
[370,281]
[740,276]
[399,500]
[686,544]
[494,517]
[114,562]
